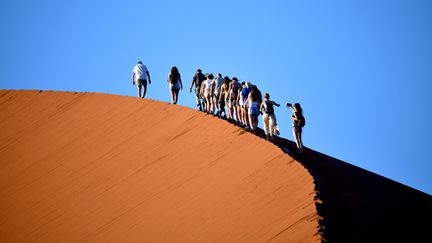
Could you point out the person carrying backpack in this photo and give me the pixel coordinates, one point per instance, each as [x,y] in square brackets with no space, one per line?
[197,80]
[269,117]
[298,123]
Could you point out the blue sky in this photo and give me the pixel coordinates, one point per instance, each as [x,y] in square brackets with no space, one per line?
[362,70]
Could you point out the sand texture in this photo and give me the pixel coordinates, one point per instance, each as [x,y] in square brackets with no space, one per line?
[87,167]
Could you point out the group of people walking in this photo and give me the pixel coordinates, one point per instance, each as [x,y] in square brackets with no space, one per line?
[226,97]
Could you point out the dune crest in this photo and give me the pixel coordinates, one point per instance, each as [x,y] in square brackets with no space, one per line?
[96,167]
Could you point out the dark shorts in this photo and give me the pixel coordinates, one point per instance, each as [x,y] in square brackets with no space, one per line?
[297,129]
[141,82]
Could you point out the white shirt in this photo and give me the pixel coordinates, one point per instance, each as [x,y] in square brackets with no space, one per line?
[218,83]
[140,71]
[208,84]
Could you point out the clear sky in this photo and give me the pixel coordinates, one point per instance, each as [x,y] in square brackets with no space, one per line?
[362,69]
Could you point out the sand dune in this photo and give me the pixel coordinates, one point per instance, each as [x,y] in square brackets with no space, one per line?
[94,167]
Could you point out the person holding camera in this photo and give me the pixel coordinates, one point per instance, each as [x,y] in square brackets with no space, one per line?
[298,123]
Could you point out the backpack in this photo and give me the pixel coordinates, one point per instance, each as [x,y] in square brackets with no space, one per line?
[301,122]
[268,108]
[235,89]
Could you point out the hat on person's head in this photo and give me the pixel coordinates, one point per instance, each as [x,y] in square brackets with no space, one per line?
[235,78]
[139,62]
[199,70]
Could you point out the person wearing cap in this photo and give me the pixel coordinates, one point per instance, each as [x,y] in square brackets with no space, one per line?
[140,74]
[197,80]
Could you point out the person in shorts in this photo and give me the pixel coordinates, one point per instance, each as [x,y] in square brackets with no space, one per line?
[269,117]
[298,121]
[175,84]
[140,74]
[217,85]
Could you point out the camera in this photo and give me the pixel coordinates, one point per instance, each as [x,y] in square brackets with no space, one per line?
[288,104]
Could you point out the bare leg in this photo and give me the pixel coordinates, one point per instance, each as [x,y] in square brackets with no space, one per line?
[176,92]
[208,103]
[240,114]
[172,95]
[295,137]
[234,113]
[272,124]
[246,116]
[266,126]
[300,140]
[229,110]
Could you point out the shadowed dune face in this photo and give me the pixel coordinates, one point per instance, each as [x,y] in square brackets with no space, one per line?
[94,167]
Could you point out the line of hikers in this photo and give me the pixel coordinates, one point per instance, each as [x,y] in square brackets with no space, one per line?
[243,101]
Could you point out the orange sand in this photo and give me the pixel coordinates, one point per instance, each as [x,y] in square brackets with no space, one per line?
[95,167]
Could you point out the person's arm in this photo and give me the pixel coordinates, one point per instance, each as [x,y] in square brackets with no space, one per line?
[222,93]
[276,104]
[133,78]
[289,105]
[201,89]
[181,84]
[213,87]
[190,88]
[238,96]
[148,75]
[229,91]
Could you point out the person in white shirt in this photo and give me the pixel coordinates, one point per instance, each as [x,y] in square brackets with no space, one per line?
[217,84]
[140,74]
[207,92]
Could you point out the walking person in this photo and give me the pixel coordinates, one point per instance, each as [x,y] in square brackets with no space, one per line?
[233,92]
[254,104]
[298,124]
[244,93]
[206,92]
[223,97]
[217,85]
[269,117]
[197,79]
[140,74]
[175,84]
